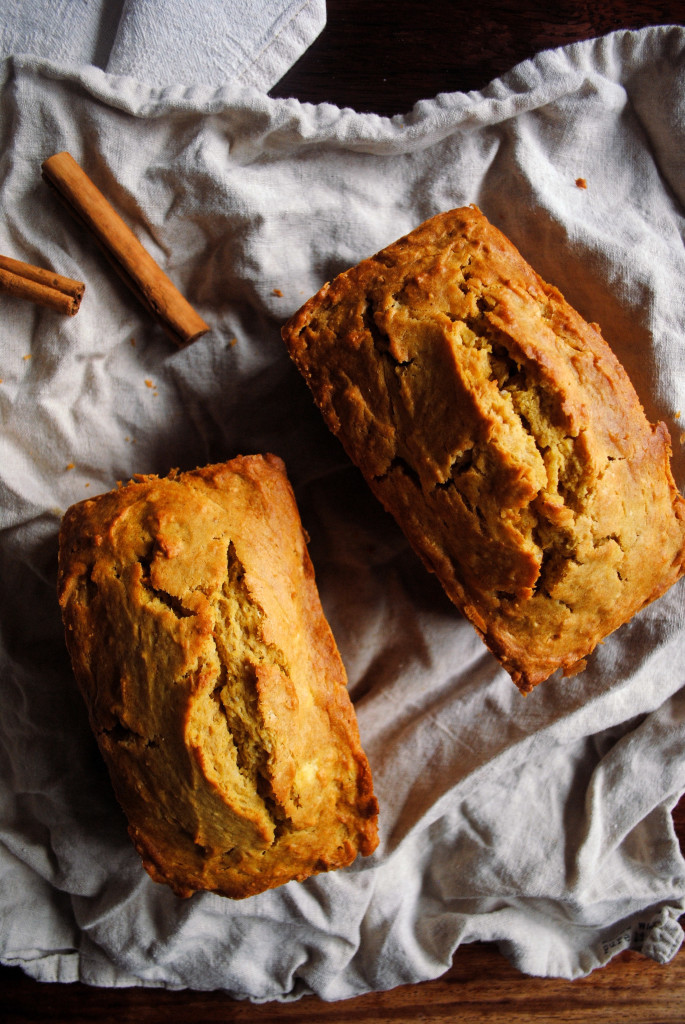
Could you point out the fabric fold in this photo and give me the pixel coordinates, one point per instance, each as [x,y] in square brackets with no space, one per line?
[166,42]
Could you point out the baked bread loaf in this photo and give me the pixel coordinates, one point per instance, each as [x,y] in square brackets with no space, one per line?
[212,680]
[500,430]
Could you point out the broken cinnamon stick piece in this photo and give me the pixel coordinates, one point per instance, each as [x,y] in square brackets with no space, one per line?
[137,267]
[44,287]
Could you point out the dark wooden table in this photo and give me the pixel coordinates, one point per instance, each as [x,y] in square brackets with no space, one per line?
[382,56]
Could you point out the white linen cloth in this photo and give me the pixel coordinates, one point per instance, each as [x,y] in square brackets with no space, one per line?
[541,823]
[164,42]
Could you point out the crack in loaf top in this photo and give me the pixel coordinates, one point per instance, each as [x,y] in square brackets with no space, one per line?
[213,682]
[502,432]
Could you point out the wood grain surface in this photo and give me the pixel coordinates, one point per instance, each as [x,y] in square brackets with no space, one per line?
[382,56]
[479,986]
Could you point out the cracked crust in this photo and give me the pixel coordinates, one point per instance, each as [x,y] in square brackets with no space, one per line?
[500,430]
[213,682]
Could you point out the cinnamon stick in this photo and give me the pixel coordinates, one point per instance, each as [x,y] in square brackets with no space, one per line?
[44,287]
[134,263]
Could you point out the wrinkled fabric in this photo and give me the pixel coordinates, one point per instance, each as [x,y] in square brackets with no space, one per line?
[539,823]
[164,42]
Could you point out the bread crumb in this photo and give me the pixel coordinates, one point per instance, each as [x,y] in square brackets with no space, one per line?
[149,383]
[29,356]
[69,465]
[677,415]
[278,292]
[233,341]
[581,183]
[133,342]
[86,485]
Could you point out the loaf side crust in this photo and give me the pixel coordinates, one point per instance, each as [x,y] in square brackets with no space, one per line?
[503,434]
[212,679]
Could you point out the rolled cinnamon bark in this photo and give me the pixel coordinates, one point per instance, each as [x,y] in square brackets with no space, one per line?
[45,287]
[136,266]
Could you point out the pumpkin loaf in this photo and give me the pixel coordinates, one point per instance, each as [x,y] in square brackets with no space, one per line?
[212,680]
[503,434]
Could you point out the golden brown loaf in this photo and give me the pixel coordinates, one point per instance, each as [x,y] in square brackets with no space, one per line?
[500,430]
[213,683]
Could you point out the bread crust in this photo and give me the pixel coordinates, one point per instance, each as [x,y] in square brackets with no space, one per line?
[503,434]
[213,682]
